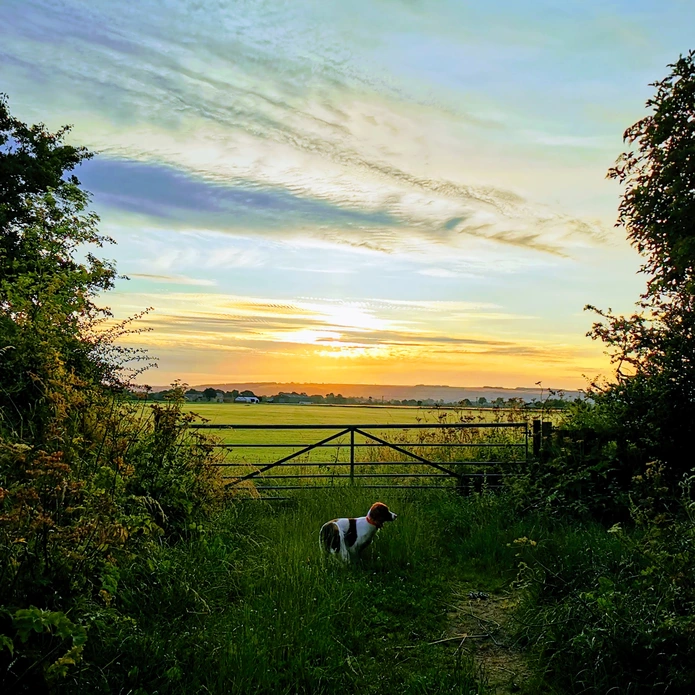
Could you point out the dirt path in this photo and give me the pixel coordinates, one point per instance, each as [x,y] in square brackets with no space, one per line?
[483,623]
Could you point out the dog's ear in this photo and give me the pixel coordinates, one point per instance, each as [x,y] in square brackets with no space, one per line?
[380,513]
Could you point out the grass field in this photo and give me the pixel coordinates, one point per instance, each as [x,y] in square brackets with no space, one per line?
[254,608]
[273,413]
[245,451]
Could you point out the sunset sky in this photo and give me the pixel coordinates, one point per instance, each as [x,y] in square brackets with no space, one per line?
[373,191]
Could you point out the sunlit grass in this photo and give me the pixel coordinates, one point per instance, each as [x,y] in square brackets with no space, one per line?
[446,443]
[252,606]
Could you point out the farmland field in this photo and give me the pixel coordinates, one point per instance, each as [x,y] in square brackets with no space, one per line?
[277,414]
[244,451]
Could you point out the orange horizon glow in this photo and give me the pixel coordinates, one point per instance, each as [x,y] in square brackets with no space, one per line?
[226,339]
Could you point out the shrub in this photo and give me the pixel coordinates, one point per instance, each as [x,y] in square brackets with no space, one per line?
[86,482]
[614,610]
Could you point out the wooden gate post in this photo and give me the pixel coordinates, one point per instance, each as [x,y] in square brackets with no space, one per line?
[546,436]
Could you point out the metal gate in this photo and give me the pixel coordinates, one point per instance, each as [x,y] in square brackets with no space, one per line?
[457,456]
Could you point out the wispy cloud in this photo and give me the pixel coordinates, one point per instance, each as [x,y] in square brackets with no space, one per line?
[437,272]
[173,279]
[209,129]
[370,328]
[430,151]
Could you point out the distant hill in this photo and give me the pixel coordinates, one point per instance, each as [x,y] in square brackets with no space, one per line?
[448,394]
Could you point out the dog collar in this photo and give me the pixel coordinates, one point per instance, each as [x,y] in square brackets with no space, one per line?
[372,522]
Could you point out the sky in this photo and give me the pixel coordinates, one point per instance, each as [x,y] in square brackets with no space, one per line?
[379,191]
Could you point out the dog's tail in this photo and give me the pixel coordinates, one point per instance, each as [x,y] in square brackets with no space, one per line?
[329,537]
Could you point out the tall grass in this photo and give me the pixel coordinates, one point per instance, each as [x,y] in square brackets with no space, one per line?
[252,606]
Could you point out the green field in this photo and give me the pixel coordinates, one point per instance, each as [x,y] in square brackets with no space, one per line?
[243,452]
[277,414]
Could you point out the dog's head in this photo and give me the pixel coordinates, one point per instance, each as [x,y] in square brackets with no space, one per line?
[379,513]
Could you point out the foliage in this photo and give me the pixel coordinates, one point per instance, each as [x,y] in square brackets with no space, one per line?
[32,162]
[658,206]
[175,468]
[71,519]
[613,610]
[51,330]
[651,406]
[87,482]
[209,394]
[645,416]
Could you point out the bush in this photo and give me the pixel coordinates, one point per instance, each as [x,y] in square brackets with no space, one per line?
[86,480]
[614,610]
[72,518]
[582,471]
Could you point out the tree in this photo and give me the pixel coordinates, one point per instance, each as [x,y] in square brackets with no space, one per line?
[51,329]
[658,206]
[209,394]
[33,161]
[651,403]
[87,485]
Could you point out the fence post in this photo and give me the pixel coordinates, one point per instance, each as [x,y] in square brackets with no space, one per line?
[352,456]
[546,434]
[526,438]
[536,437]
[542,431]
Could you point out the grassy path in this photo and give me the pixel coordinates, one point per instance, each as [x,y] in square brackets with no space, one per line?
[253,607]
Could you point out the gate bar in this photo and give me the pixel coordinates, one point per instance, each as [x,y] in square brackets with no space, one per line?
[329,464]
[358,444]
[385,426]
[287,458]
[408,453]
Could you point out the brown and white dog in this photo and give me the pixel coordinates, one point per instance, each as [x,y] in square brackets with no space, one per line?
[347,538]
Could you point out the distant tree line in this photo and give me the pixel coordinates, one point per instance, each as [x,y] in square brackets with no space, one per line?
[213,395]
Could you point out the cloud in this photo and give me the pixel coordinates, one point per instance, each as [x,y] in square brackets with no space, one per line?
[351,329]
[403,223]
[322,271]
[198,124]
[164,193]
[173,279]
[437,272]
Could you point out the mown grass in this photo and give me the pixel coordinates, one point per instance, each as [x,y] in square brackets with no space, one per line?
[245,451]
[290,414]
[251,606]
[287,441]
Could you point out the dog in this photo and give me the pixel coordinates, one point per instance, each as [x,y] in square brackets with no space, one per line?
[347,538]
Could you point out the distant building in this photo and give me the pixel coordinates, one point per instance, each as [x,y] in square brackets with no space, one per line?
[246,399]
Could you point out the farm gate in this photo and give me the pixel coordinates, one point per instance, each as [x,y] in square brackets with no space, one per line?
[266,460]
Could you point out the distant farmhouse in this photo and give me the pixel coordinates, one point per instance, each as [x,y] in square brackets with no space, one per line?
[246,399]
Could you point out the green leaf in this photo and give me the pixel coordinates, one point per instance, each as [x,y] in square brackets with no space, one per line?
[5,641]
